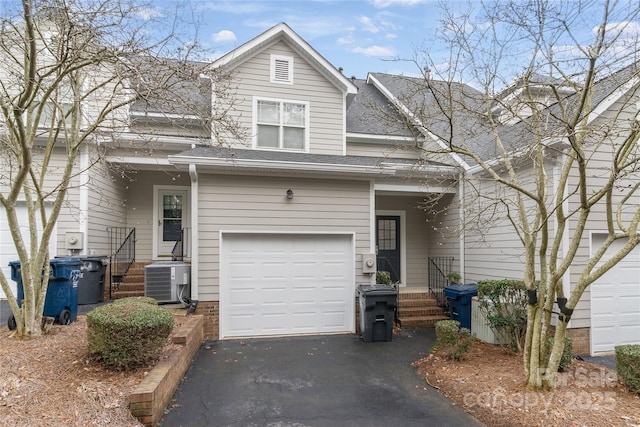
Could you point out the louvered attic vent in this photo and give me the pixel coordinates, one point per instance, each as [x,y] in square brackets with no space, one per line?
[281,69]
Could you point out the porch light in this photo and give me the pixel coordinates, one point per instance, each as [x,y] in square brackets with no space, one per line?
[289,194]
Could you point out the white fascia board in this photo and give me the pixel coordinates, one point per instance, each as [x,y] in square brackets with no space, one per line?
[170,140]
[284,31]
[365,137]
[281,165]
[416,121]
[422,189]
[408,168]
[606,103]
[132,160]
[164,115]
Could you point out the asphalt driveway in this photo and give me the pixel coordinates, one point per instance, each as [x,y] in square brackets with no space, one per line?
[331,380]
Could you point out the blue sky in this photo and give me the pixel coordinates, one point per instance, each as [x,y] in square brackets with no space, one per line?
[364,36]
[360,36]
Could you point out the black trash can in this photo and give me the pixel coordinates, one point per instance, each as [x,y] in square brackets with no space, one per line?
[459,300]
[91,285]
[377,309]
[61,301]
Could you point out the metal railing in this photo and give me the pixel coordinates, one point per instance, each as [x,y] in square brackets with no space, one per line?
[438,270]
[181,249]
[123,254]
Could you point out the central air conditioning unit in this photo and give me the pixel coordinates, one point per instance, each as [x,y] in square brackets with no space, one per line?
[168,281]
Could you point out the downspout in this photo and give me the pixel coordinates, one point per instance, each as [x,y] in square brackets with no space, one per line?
[461,215]
[83,218]
[195,244]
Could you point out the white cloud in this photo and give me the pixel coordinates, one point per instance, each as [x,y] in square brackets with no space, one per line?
[382,4]
[148,13]
[224,36]
[374,51]
[367,24]
[349,39]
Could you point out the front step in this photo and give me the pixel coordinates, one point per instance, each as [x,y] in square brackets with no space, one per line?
[133,283]
[418,309]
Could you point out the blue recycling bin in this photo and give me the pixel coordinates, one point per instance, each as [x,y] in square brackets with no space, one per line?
[61,301]
[459,300]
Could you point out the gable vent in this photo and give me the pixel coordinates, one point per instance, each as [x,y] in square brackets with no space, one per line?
[281,69]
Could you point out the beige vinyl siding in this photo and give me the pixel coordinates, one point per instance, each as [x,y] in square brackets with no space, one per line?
[106,207]
[444,230]
[241,203]
[493,250]
[326,102]
[383,149]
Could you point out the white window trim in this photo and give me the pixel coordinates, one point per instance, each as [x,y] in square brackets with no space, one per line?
[273,60]
[282,101]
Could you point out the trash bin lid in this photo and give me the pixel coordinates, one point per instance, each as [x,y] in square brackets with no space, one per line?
[377,290]
[456,290]
[66,261]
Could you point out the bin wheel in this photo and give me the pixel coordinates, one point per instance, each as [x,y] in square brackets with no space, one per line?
[11,323]
[65,317]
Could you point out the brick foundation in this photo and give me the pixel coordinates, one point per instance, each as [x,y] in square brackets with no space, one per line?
[580,340]
[210,310]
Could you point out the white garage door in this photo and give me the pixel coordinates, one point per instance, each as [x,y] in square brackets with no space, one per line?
[285,284]
[8,250]
[615,304]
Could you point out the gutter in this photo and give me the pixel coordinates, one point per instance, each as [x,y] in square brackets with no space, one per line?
[195,241]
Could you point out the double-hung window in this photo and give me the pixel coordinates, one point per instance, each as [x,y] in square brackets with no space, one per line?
[281,125]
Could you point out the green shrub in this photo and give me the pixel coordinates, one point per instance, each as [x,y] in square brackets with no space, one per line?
[628,366]
[383,278]
[567,353]
[142,300]
[505,304]
[452,340]
[126,335]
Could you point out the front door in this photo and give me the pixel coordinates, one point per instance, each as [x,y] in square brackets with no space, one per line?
[388,245]
[172,215]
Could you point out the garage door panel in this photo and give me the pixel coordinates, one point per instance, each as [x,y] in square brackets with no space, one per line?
[308,278]
[615,304]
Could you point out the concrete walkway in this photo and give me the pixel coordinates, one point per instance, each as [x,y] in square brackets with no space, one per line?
[332,380]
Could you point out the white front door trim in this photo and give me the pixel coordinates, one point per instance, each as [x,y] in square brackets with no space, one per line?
[403,241]
[157,252]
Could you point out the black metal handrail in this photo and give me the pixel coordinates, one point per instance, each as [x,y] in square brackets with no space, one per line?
[438,272]
[123,254]
[178,253]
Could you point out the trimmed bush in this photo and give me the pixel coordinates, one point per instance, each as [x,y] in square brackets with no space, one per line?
[452,340]
[628,366]
[127,335]
[567,353]
[142,300]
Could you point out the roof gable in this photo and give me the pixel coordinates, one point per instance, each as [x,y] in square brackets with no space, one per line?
[282,32]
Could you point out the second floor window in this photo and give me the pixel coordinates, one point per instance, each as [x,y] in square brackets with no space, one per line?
[281,125]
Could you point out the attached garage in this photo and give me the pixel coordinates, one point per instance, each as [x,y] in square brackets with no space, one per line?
[615,303]
[286,284]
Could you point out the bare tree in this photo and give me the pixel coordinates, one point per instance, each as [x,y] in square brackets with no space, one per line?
[70,72]
[549,154]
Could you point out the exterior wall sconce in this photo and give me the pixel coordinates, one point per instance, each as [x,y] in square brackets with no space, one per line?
[289,194]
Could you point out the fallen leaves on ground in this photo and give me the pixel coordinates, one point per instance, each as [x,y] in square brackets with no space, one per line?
[489,384]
